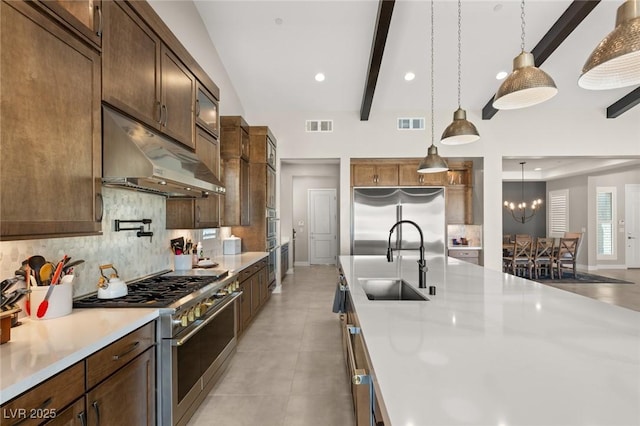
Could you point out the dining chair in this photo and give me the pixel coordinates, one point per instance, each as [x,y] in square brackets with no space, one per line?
[542,255]
[519,260]
[565,257]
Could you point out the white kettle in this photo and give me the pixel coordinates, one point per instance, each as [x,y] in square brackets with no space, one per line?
[112,287]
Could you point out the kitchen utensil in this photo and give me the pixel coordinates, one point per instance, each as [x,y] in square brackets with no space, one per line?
[13,297]
[8,282]
[27,305]
[35,263]
[46,272]
[44,305]
[177,245]
[66,268]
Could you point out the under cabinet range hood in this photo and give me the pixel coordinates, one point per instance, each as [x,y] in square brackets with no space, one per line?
[136,157]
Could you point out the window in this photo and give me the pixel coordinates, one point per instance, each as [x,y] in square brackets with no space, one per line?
[605,222]
[558,213]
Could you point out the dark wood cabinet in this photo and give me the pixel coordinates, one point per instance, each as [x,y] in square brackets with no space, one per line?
[255,293]
[127,396]
[207,110]
[158,89]
[459,193]
[234,151]
[199,212]
[131,49]
[74,415]
[84,17]
[48,73]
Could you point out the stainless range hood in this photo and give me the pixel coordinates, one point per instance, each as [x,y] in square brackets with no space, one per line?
[136,157]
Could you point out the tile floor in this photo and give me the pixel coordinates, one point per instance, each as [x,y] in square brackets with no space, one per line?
[289,368]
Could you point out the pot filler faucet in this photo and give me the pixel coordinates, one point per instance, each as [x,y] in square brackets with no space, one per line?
[422,265]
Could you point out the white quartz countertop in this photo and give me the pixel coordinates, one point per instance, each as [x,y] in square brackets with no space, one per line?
[493,349]
[40,349]
[464,248]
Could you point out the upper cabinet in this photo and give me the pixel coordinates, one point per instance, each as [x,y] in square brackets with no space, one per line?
[374,174]
[158,89]
[459,193]
[207,111]
[234,151]
[84,17]
[409,175]
[50,167]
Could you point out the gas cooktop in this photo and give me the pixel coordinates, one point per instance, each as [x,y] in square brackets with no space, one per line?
[155,292]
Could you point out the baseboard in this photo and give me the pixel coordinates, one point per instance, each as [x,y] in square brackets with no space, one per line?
[289,271]
[600,267]
[301,264]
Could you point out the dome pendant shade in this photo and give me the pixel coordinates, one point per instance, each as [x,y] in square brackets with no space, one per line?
[525,86]
[460,131]
[615,62]
[433,163]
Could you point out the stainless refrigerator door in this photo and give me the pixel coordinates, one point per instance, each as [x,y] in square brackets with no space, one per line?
[376,210]
[424,206]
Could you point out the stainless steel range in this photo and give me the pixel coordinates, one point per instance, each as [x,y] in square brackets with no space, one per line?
[198,332]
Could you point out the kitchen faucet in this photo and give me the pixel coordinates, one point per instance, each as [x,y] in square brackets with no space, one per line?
[422,266]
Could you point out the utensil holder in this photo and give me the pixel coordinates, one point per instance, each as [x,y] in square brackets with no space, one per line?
[182,262]
[60,300]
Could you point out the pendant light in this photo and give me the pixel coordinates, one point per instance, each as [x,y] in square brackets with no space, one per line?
[526,85]
[460,131]
[523,216]
[432,163]
[615,62]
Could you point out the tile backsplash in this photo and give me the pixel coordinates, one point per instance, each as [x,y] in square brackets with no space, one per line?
[473,233]
[132,256]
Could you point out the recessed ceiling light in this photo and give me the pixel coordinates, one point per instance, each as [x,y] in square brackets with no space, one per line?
[497,7]
[537,169]
[501,75]
[319,77]
[409,76]
[279,21]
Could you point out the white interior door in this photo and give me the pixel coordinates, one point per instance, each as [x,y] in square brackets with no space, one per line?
[323,221]
[632,225]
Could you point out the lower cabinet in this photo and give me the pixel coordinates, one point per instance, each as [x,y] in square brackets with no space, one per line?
[254,284]
[114,386]
[284,260]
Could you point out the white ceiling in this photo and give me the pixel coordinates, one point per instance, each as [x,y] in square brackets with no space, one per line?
[277,62]
[272,50]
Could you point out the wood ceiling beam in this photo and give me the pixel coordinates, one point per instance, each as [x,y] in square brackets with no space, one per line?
[385,10]
[568,21]
[624,104]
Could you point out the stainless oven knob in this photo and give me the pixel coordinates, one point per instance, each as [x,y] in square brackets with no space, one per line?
[176,322]
[184,320]
[198,310]
[191,315]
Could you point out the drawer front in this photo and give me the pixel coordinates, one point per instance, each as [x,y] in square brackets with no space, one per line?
[43,401]
[463,253]
[106,361]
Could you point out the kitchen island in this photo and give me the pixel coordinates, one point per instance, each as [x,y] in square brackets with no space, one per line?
[494,349]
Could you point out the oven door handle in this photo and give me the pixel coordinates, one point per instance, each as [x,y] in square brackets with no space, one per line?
[182,341]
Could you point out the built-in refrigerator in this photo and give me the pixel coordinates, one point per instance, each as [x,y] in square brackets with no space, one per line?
[376,210]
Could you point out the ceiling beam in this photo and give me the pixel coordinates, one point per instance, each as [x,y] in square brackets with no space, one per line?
[624,104]
[385,10]
[568,21]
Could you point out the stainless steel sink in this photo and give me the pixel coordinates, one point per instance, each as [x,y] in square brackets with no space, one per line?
[390,289]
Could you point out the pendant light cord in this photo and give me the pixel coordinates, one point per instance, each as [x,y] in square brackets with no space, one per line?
[522,25]
[459,51]
[432,86]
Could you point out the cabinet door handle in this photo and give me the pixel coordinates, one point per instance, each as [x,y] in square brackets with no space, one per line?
[99,31]
[198,215]
[197,107]
[131,349]
[100,209]
[97,410]
[83,420]
[159,106]
[163,122]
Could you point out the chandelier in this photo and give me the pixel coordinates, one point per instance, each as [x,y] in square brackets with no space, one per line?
[521,214]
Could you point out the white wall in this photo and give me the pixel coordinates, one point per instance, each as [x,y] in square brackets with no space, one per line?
[536,131]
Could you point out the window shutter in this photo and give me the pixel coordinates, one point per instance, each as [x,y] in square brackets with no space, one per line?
[558,212]
[605,216]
